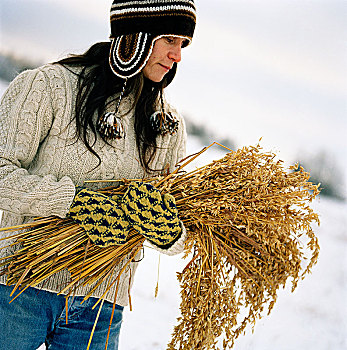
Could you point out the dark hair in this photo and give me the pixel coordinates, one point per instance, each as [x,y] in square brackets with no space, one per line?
[97,82]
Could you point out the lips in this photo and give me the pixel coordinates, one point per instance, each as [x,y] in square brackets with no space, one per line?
[165,67]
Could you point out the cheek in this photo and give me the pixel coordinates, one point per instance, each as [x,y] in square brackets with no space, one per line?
[148,70]
[148,67]
[153,58]
[152,61]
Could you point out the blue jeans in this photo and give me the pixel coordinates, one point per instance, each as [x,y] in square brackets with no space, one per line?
[38,317]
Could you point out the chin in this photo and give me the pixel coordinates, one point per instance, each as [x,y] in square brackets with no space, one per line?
[157,79]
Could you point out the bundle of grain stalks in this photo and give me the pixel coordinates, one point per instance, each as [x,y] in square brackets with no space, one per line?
[249,227]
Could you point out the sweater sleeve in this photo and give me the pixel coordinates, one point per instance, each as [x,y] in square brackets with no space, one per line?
[26,115]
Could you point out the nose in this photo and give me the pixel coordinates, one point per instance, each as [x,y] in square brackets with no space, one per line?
[175,53]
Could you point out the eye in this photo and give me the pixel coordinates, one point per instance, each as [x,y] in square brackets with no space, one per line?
[169,40]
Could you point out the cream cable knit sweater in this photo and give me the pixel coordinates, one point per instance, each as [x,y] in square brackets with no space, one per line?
[40,162]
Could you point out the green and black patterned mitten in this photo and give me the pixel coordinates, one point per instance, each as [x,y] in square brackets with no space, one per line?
[101,217]
[154,216]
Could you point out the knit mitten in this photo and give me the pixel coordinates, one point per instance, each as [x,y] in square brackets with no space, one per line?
[154,216]
[101,217]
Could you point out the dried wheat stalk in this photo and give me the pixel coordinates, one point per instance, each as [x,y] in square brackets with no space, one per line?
[249,230]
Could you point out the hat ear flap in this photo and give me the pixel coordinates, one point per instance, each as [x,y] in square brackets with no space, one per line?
[129,53]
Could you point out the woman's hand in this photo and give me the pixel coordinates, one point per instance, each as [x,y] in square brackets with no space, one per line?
[154,216]
[101,217]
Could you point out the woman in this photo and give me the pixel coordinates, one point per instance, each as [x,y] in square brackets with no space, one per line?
[100,115]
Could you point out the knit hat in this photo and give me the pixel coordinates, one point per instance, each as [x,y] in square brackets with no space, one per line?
[137,24]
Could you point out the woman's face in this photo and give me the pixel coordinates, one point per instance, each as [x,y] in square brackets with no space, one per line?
[166,51]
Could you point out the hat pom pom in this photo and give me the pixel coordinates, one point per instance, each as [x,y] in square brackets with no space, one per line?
[110,126]
[164,123]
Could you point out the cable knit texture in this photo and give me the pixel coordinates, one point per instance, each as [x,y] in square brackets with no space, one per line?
[41,162]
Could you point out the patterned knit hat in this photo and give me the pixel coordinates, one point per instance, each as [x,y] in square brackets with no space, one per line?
[137,24]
